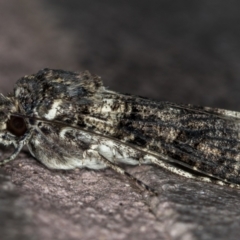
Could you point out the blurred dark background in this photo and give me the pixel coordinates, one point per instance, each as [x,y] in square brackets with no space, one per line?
[184,51]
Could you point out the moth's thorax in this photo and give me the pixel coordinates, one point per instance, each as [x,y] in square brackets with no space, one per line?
[76,99]
[49,89]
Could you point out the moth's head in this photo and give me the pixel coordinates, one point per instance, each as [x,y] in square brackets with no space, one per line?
[10,124]
[6,108]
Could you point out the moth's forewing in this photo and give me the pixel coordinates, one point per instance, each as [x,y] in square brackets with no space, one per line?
[203,140]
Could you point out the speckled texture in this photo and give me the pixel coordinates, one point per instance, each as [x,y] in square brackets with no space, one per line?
[181,52]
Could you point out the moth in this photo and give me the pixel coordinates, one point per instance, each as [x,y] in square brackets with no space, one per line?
[70,120]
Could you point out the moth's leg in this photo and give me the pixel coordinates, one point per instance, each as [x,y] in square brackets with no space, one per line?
[165,163]
[119,170]
[18,147]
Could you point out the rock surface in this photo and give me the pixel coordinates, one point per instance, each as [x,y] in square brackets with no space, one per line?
[184,52]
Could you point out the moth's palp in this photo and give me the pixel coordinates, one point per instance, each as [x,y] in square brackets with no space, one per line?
[18,147]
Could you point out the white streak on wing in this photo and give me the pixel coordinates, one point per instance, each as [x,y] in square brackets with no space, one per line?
[53,111]
[17,92]
[224,112]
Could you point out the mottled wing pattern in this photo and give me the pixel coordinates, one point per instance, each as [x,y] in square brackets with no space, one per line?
[205,140]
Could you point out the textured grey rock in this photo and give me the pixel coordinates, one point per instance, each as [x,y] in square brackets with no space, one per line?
[186,52]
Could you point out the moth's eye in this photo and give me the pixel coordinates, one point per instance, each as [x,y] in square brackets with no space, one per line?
[16,126]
